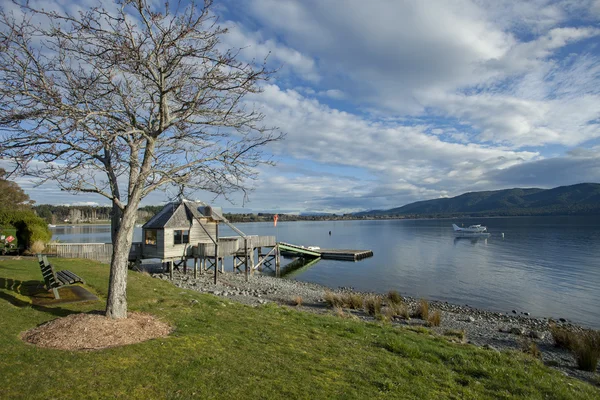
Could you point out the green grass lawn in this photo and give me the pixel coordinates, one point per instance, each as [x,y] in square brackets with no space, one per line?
[221,349]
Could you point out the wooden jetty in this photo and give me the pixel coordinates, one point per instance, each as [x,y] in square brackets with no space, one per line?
[326,254]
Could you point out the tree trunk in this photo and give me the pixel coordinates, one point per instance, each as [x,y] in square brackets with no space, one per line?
[115,222]
[116,304]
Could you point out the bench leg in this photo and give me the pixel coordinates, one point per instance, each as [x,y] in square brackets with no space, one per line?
[56,295]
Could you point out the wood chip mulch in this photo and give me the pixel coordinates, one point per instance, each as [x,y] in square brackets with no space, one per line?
[95,331]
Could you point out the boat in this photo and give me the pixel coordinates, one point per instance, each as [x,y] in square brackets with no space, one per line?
[51,226]
[470,231]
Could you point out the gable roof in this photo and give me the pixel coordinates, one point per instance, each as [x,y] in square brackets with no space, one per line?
[178,214]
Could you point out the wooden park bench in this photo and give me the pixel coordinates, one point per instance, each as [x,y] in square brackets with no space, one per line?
[55,280]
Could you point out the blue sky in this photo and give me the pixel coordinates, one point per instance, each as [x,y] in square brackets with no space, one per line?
[389,102]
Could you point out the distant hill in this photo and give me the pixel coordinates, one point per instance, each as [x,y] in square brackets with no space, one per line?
[582,198]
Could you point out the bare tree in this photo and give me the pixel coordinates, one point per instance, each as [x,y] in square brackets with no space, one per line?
[126,99]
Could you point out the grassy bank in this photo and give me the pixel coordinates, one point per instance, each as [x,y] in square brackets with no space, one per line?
[221,349]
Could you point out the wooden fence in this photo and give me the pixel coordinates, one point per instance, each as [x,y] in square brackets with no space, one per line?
[94,251]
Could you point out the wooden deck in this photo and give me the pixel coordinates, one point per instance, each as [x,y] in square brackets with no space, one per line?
[326,254]
[345,255]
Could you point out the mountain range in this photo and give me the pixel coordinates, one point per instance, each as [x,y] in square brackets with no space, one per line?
[583,198]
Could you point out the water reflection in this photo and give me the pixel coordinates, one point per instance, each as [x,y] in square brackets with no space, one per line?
[298,266]
[473,240]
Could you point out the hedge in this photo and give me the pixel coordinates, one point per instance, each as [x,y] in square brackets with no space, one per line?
[30,227]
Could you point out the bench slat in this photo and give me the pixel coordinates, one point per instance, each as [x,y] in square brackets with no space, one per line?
[64,277]
[73,276]
[63,280]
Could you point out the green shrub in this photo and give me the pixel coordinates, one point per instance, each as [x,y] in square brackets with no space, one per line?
[30,228]
[529,347]
[435,319]
[373,305]
[388,312]
[586,349]
[400,310]
[353,301]
[563,338]
[422,310]
[333,300]
[455,333]
[394,297]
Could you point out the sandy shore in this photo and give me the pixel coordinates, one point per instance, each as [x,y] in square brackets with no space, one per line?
[495,331]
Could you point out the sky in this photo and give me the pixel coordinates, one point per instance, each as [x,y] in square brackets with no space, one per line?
[389,102]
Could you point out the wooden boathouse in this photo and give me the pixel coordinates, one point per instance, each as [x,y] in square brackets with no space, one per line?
[187,230]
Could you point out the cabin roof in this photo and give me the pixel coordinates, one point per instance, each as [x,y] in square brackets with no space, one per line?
[180,214]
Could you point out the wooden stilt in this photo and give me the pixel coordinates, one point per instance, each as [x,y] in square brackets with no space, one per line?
[195,267]
[246,258]
[185,265]
[216,255]
[171,269]
[260,256]
[277,262]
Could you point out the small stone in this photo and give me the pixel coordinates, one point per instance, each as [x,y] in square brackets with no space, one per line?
[515,330]
[514,311]
[537,335]
[470,319]
[194,301]
[526,313]
[562,320]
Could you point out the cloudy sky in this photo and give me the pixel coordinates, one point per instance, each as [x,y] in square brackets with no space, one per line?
[389,102]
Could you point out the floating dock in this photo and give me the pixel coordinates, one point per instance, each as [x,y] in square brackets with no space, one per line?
[346,255]
[326,254]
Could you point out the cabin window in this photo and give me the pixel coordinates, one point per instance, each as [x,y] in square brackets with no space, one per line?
[181,237]
[150,237]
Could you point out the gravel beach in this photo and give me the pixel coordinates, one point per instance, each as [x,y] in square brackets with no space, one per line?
[492,330]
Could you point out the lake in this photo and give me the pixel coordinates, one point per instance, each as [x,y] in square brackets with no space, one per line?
[547,266]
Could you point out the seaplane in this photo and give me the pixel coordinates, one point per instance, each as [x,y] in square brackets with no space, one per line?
[470,231]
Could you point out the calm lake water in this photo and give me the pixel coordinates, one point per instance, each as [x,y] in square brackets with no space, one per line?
[548,266]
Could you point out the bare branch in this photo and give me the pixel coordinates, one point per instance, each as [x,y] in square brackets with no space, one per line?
[129,96]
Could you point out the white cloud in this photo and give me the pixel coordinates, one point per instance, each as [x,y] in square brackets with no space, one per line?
[517,122]
[395,154]
[464,60]
[255,47]
[333,94]
[527,55]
